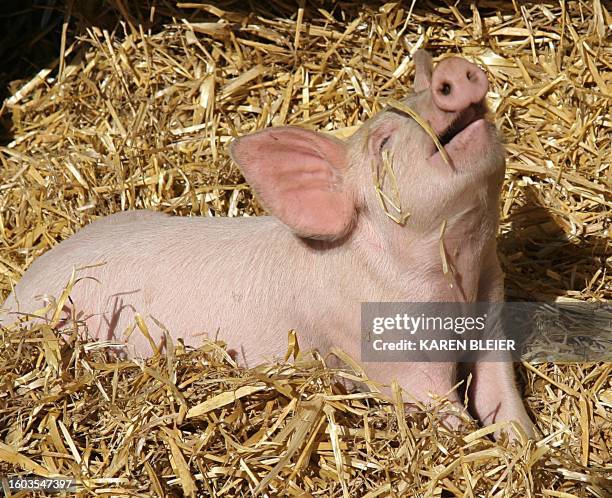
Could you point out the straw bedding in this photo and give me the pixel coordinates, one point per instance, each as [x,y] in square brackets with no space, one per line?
[135,109]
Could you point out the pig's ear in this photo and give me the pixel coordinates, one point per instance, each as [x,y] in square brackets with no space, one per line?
[298,176]
[423,67]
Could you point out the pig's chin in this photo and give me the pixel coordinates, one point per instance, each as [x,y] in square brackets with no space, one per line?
[466,149]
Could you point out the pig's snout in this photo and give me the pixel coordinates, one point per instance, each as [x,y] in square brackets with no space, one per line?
[456,84]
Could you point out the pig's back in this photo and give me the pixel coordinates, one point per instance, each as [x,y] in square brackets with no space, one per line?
[115,237]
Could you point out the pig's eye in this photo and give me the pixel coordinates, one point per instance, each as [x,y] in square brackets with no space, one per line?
[383,143]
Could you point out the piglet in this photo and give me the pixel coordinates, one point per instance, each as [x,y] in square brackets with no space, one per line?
[326,247]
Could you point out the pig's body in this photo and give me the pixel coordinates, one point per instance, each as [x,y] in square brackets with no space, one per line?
[248,281]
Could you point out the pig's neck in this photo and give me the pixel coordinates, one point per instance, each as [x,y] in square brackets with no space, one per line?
[411,260]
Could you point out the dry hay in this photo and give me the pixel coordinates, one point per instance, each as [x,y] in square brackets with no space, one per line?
[138,115]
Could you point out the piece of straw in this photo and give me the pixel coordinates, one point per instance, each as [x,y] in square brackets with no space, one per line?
[423,123]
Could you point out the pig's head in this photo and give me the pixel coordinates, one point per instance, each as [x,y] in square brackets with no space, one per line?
[320,186]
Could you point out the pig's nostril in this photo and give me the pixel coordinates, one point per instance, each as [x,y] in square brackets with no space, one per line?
[469,75]
[445,89]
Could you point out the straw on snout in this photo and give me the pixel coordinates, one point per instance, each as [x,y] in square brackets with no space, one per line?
[423,123]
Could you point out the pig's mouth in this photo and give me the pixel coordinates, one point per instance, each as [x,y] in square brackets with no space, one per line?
[464,120]
[460,137]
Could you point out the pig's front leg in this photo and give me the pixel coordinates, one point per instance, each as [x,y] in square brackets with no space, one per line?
[493,393]
[422,384]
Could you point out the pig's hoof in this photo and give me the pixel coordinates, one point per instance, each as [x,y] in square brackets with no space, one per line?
[520,432]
